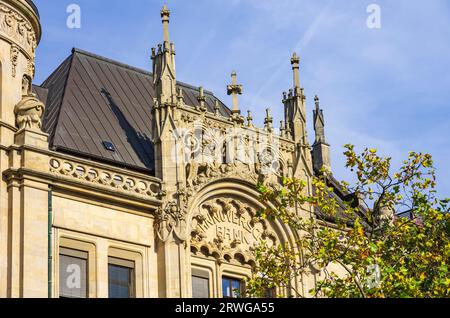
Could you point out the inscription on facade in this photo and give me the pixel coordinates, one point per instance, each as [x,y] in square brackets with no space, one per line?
[229,227]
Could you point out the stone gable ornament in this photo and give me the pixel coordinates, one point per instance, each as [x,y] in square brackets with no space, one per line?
[170,219]
[29,112]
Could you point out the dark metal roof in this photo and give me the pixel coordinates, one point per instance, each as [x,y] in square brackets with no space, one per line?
[41,93]
[92,100]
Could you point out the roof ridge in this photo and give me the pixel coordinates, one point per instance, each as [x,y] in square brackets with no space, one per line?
[132,68]
[108,60]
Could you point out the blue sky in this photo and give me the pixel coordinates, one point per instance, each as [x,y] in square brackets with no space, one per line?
[386,88]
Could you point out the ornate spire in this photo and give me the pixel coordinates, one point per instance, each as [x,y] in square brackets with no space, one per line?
[295,62]
[321,150]
[164,74]
[168,98]
[234,89]
[165,16]
[319,122]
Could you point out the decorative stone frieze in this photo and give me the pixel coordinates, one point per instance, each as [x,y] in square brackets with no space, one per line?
[16,29]
[90,174]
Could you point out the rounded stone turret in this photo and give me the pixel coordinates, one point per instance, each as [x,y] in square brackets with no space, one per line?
[20,33]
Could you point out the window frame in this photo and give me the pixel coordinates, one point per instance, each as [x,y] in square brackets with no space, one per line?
[202,274]
[131,266]
[77,254]
[231,280]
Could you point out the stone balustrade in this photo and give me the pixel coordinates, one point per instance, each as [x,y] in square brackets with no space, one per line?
[115,179]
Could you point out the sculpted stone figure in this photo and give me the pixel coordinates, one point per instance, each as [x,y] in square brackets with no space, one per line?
[29,112]
[204,170]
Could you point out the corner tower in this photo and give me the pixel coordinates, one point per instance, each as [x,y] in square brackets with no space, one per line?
[24,225]
[20,32]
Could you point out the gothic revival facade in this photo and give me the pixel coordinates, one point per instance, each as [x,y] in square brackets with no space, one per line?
[118,182]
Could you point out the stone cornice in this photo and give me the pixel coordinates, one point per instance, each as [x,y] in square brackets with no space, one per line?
[99,165]
[15,177]
[89,178]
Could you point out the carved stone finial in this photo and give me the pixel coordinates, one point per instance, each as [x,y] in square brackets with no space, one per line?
[317,101]
[249,119]
[201,98]
[268,121]
[165,16]
[295,61]
[165,12]
[180,97]
[29,112]
[234,89]
[282,129]
[216,107]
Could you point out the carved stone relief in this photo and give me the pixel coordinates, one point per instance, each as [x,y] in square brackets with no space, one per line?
[17,29]
[29,112]
[229,231]
[14,59]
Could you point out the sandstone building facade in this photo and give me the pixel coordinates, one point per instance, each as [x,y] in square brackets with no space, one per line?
[118,182]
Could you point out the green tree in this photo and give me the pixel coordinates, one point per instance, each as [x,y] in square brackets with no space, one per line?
[380,254]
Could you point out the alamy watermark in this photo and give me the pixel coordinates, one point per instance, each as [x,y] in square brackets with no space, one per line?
[374,19]
[74,18]
[73,280]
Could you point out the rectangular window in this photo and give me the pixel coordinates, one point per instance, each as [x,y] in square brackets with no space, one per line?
[121,278]
[73,273]
[232,287]
[200,283]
